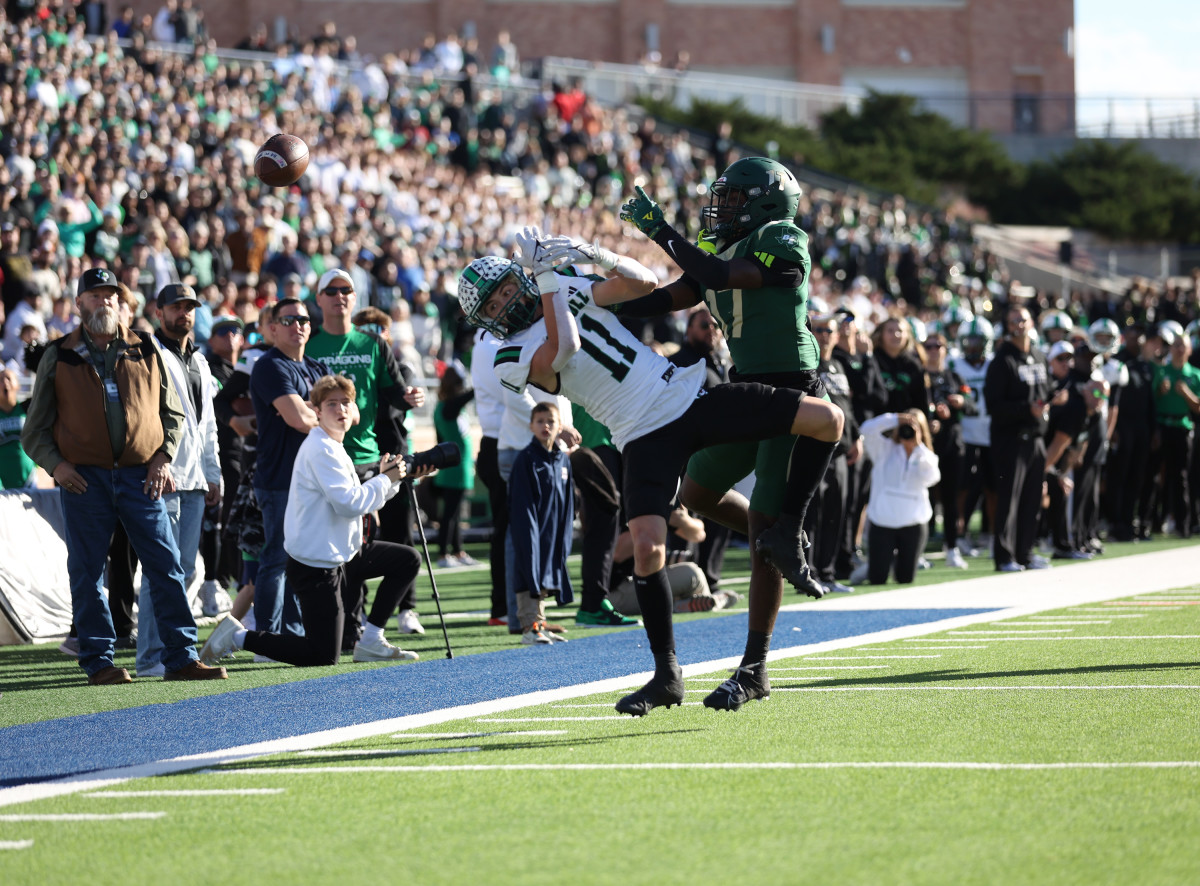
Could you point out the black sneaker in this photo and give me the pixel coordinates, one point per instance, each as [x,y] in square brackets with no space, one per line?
[782,547]
[746,684]
[658,693]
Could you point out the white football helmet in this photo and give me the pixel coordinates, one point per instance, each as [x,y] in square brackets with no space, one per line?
[486,275]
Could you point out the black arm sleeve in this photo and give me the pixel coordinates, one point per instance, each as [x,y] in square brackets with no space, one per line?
[704,267]
[658,302]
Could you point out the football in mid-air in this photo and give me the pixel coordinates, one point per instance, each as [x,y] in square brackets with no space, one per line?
[281,160]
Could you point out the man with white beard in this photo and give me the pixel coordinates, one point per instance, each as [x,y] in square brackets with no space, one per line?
[105,422]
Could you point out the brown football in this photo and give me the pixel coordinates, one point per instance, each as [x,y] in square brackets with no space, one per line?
[281,160]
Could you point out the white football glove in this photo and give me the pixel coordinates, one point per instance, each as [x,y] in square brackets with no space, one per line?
[567,250]
[527,245]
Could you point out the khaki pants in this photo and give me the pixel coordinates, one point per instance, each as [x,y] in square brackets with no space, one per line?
[686,580]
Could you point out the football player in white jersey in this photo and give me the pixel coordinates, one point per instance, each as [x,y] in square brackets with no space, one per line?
[971,365]
[559,337]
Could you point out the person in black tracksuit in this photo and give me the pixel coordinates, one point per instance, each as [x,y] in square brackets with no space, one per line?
[1017,392]
[1130,453]
[1066,438]
[827,511]
[951,400]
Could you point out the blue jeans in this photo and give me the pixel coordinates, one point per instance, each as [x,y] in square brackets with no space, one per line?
[186,513]
[89,519]
[276,611]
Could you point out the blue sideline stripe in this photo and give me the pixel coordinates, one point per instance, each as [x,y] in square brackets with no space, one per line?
[93,742]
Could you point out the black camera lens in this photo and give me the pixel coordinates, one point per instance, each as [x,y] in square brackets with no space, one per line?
[444,455]
[906,432]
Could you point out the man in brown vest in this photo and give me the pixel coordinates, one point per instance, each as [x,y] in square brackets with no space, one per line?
[104,421]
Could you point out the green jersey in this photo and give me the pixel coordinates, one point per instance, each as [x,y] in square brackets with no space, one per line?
[360,357]
[767,328]
[15,465]
[1171,409]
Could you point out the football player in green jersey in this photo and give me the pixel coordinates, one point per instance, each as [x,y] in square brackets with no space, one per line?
[751,267]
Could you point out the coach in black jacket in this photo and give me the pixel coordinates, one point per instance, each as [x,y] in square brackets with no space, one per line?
[1017,392]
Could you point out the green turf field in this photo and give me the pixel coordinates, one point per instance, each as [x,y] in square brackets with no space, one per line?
[1003,752]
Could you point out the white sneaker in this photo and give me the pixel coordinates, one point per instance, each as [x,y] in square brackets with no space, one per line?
[966,548]
[923,563]
[407,621]
[859,575]
[220,641]
[157,670]
[535,636]
[465,559]
[1010,566]
[382,651]
[214,599]
[836,587]
[1037,561]
[954,559]
[448,562]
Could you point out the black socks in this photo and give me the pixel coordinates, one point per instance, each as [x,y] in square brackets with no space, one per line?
[758,643]
[809,461]
[654,598]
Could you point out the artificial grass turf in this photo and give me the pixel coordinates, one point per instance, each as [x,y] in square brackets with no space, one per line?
[546,824]
[39,683]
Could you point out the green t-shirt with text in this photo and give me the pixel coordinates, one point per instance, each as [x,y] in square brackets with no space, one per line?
[360,357]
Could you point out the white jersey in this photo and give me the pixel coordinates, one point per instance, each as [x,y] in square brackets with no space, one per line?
[620,382]
[976,429]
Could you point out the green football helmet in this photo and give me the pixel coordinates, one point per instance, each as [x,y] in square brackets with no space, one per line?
[752,192]
[487,275]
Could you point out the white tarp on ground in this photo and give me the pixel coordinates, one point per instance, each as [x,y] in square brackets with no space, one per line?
[35,592]
[35,595]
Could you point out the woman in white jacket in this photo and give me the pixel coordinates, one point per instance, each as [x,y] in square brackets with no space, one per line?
[327,556]
[903,468]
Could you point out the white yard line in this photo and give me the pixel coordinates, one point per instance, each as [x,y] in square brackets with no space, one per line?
[16,844]
[1016,630]
[831,668]
[445,736]
[1012,596]
[86,816]
[915,687]
[212,792]
[860,657]
[1057,639]
[382,752]
[636,767]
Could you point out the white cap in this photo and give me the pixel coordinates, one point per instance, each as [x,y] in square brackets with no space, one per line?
[1060,347]
[334,274]
[47,225]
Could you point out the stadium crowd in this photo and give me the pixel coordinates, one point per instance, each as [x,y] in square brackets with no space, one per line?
[130,148]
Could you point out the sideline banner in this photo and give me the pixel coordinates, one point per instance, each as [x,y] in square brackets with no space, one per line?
[35,593]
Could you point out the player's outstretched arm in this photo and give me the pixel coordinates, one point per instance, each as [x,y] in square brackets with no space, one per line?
[632,280]
[710,271]
[562,335]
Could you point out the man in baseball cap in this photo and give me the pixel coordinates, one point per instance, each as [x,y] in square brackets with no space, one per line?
[97,279]
[335,277]
[173,293]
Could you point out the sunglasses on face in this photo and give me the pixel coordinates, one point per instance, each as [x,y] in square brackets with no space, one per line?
[820,331]
[338,290]
[292,320]
[933,346]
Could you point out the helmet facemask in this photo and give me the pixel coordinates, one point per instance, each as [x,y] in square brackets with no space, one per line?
[486,277]
[752,192]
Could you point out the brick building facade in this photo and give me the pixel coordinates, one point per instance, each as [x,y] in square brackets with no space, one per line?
[1004,65]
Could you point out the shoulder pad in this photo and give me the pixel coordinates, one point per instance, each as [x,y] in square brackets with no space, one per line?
[780,239]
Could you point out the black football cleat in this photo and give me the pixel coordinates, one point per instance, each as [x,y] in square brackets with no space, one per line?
[660,692]
[783,547]
[746,684]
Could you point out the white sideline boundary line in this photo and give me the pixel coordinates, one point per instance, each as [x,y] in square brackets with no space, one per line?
[1010,595]
[86,816]
[641,767]
[16,844]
